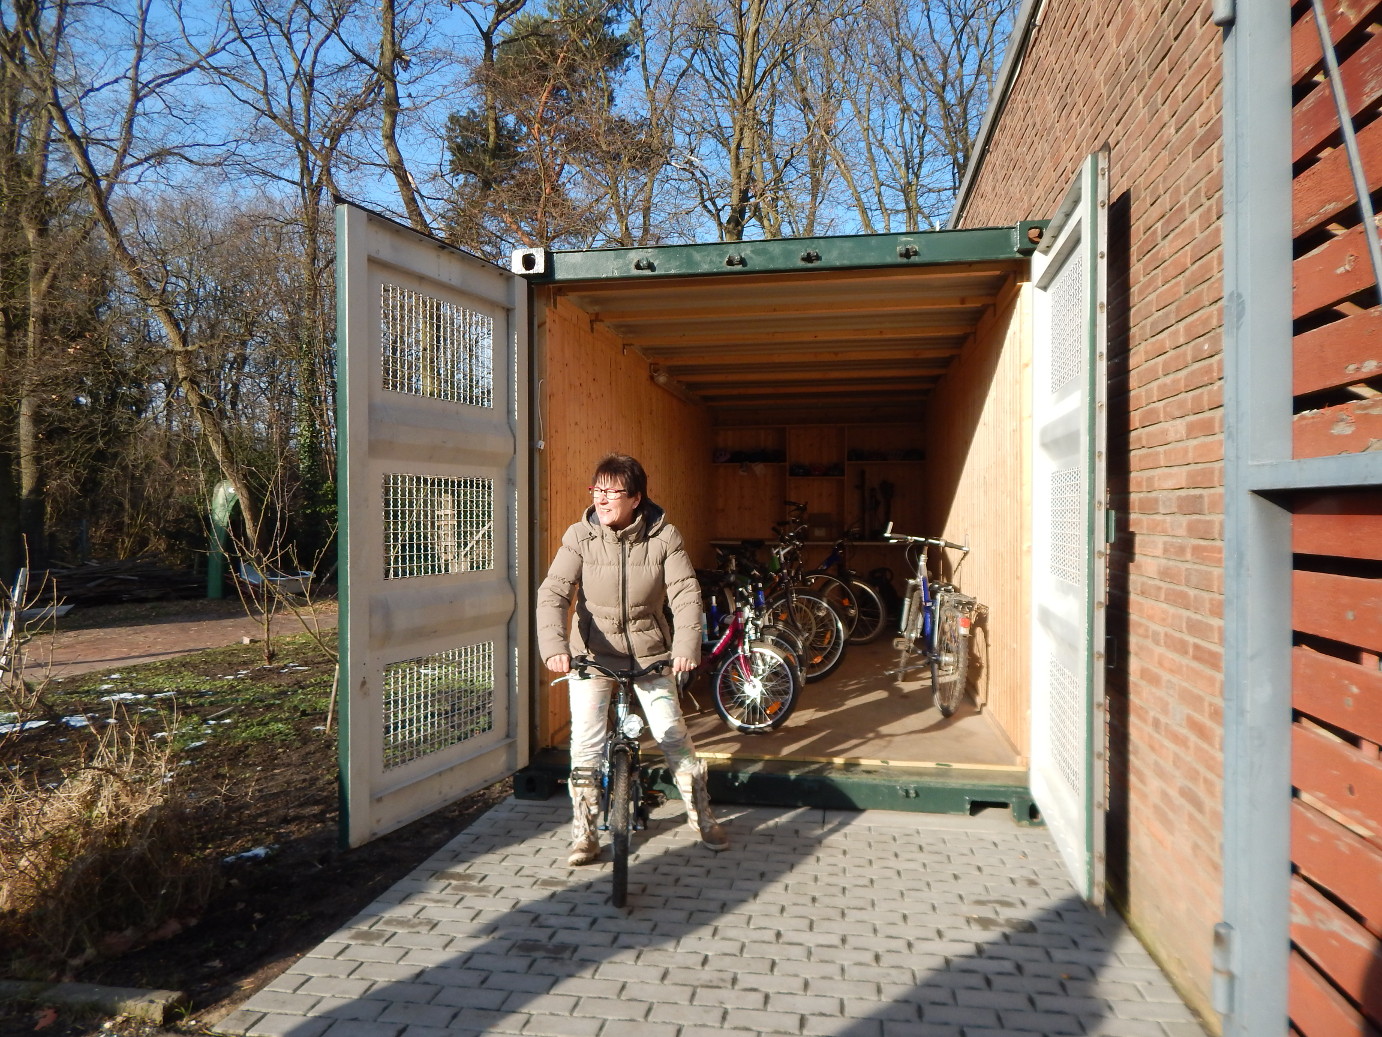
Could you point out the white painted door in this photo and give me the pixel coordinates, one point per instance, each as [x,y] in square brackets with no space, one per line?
[432,382]
[1069,521]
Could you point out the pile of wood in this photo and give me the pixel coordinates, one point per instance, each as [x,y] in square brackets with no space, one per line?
[108,583]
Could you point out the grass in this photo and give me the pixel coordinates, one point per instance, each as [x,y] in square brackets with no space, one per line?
[111,813]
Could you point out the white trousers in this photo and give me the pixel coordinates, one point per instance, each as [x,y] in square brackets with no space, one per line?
[658,697]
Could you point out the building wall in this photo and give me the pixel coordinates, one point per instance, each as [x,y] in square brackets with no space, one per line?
[979,492]
[1144,77]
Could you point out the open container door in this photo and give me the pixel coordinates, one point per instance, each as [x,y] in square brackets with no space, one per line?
[1069,527]
[432,391]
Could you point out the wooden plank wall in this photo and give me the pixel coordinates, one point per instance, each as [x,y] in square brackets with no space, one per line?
[978,481]
[595,398]
[1336,836]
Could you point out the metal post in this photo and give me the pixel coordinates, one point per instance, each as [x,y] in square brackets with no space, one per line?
[1253,942]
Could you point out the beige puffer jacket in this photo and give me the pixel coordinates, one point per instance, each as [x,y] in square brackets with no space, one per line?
[620,581]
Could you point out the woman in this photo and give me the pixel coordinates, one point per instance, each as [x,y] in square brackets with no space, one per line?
[620,564]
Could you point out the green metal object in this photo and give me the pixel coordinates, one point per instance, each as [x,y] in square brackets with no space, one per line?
[848,252]
[787,783]
[223,501]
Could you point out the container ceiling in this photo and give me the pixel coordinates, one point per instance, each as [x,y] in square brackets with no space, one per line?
[829,345]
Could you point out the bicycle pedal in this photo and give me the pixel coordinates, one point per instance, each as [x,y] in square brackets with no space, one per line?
[900,643]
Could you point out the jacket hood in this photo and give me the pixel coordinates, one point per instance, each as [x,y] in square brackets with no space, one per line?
[647,520]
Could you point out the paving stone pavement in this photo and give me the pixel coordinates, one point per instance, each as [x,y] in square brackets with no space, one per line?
[815,922]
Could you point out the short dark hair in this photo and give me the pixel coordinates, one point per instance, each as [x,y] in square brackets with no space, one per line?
[623,469]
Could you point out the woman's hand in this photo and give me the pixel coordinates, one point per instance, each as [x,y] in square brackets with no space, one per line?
[683,665]
[558,663]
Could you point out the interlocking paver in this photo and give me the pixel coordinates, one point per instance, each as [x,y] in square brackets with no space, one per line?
[816,923]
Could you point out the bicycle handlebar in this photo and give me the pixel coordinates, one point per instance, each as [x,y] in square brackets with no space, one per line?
[581,663]
[904,538]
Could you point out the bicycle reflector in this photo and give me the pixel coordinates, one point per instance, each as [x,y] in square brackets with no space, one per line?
[964,625]
[632,726]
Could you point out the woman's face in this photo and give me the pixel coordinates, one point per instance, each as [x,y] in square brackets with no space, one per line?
[614,506]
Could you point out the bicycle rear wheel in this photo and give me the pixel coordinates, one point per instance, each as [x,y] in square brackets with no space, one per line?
[950,664]
[620,820]
[756,689]
[872,614]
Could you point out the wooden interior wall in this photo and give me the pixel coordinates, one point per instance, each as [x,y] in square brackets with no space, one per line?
[977,450]
[1336,836]
[595,398]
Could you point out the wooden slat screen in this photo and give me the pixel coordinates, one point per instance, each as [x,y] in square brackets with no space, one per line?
[1336,828]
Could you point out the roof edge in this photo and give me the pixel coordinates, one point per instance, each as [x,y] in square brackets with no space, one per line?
[775,255]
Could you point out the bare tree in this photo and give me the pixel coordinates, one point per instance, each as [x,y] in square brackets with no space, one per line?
[117,125]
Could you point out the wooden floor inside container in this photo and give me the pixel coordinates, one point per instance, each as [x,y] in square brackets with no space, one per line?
[859,714]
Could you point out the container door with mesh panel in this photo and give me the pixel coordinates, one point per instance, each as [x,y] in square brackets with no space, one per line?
[1069,520]
[432,390]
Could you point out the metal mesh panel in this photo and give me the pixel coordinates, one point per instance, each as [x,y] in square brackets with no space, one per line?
[1067,526]
[1067,721]
[437,701]
[435,348]
[1068,334]
[437,525]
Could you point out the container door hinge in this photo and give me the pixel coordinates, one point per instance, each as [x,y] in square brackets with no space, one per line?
[1225,968]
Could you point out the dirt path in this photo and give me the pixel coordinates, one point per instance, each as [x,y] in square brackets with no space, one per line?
[111,636]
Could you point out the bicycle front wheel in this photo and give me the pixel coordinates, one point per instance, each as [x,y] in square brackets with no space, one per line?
[838,595]
[620,820]
[951,659]
[756,689]
[825,647]
[910,641]
[872,614]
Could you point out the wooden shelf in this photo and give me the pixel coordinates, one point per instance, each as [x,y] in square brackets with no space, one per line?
[750,492]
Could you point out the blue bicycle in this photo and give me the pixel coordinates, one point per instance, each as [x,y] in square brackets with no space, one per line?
[935,624]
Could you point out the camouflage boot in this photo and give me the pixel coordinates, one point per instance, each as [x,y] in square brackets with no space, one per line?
[585,807]
[691,784]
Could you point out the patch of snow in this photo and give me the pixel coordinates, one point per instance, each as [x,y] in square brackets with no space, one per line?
[28,725]
[257,854]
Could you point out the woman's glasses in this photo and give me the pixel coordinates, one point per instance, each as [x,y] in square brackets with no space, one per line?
[606,492]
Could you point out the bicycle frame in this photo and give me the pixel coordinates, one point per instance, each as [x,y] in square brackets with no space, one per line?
[621,740]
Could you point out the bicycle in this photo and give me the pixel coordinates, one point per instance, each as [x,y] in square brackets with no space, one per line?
[934,627]
[870,614]
[804,616]
[754,676]
[623,802]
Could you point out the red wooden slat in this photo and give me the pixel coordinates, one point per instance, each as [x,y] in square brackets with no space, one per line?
[1342,694]
[1317,1009]
[1342,16]
[1325,190]
[1338,776]
[1315,119]
[1343,608]
[1343,949]
[1331,273]
[1341,353]
[1349,428]
[1348,525]
[1341,861]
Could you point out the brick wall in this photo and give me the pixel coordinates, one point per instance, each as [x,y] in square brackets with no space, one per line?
[1144,77]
